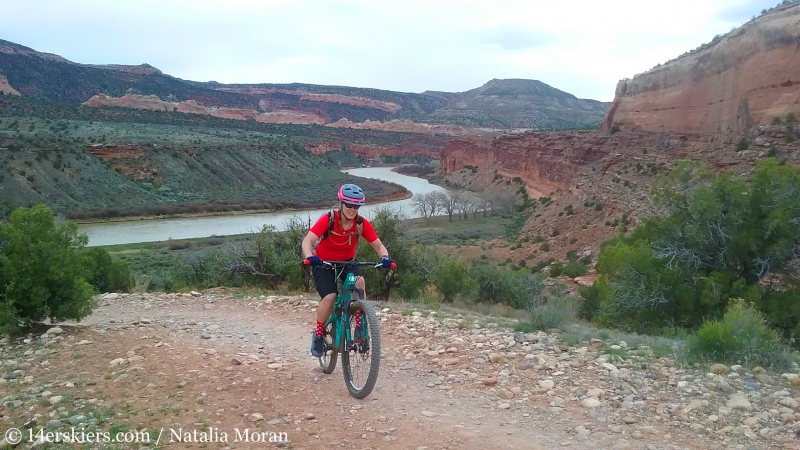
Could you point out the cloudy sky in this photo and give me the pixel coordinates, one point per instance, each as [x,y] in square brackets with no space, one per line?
[581,46]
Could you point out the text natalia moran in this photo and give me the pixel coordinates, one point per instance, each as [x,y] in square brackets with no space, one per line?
[216,435]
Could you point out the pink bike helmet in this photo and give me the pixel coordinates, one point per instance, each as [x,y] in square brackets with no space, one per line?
[352,195]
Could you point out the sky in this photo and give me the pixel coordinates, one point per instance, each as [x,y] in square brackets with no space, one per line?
[583,47]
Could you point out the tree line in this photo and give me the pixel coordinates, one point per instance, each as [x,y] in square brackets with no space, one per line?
[461,205]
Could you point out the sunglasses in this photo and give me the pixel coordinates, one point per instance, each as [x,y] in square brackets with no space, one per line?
[352,206]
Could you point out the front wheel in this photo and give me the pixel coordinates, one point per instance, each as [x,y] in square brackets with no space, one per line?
[328,359]
[361,357]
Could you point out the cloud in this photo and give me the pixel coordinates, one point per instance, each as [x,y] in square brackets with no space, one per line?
[582,47]
[742,11]
[513,40]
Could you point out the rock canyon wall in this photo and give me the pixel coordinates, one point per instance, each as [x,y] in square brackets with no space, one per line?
[6,88]
[544,161]
[723,88]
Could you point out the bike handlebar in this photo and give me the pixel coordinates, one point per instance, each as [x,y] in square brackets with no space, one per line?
[352,263]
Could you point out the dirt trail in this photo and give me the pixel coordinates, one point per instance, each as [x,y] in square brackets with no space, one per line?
[393,411]
[215,366]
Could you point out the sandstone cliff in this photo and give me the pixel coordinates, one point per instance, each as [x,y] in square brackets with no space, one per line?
[544,161]
[6,88]
[408,126]
[723,88]
[190,106]
[388,107]
[285,116]
[410,145]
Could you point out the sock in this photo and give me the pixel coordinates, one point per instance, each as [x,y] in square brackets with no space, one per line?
[358,318]
[320,330]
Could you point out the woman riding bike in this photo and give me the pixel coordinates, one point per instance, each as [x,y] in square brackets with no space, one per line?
[338,242]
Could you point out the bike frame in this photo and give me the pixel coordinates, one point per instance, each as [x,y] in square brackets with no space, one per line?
[340,317]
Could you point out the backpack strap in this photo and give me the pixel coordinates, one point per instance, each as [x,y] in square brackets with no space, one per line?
[359,226]
[330,226]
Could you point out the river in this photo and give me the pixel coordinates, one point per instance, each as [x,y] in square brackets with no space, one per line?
[152,230]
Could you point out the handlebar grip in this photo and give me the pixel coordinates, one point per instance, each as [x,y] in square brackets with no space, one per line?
[394,265]
[306,262]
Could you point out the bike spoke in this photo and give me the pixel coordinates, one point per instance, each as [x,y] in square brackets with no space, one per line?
[359,352]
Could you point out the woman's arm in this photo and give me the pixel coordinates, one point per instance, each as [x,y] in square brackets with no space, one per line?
[380,249]
[308,244]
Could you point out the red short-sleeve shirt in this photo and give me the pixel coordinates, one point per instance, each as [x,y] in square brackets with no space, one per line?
[340,244]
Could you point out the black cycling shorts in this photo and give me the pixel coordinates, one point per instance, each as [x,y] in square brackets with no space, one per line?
[325,278]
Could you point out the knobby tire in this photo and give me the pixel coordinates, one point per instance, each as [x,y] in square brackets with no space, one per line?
[328,360]
[368,314]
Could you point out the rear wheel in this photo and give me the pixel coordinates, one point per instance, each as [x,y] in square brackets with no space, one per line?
[328,359]
[361,361]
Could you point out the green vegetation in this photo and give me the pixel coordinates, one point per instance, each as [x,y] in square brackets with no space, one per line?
[740,337]
[105,274]
[721,238]
[555,313]
[271,259]
[743,144]
[42,272]
[164,169]
[464,232]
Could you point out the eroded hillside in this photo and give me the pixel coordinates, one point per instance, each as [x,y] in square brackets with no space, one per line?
[88,169]
[588,183]
[722,89]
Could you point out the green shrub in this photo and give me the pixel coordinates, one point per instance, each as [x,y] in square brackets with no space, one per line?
[555,313]
[669,270]
[575,269]
[174,245]
[590,301]
[789,137]
[495,285]
[42,275]
[743,144]
[791,118]
[451,279]
[105,274]
[776,120]
[163,282]
[741,337]
[541,265]
[556,269]
[773,151]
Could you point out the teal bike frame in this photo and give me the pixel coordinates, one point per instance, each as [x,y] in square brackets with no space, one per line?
[340,318]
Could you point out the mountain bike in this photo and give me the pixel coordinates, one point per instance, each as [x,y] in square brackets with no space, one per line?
[358,343]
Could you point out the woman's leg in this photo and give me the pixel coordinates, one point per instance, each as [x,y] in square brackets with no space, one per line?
[325,281]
